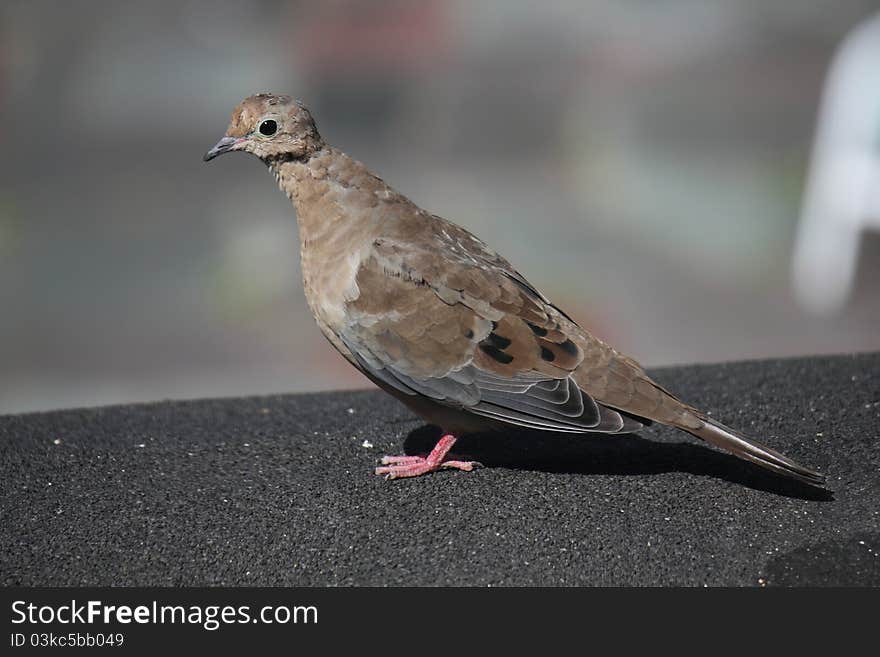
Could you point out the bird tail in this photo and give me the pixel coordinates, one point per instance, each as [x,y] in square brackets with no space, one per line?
[732,441]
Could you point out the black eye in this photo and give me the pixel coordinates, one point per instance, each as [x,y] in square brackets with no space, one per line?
[268,128]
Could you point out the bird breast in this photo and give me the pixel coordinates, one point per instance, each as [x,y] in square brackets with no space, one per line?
[333,244]
[340,209]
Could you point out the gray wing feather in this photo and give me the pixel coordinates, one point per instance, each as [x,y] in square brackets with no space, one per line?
[530,400]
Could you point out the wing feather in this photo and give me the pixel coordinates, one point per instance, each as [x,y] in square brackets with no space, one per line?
[467,337]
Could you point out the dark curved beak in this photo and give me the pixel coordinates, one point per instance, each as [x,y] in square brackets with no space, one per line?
[223,146]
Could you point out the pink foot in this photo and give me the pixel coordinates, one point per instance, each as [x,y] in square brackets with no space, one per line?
[413,466]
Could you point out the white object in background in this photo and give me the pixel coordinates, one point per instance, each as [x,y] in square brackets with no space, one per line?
[842,196]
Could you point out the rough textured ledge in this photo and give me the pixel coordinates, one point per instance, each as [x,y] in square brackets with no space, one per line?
[280,491]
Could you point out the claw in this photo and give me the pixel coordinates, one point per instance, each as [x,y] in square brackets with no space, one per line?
[399,460]
[420,467]
[467,466]
[413,466]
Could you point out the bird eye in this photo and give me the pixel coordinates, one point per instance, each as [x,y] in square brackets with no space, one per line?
[268,127]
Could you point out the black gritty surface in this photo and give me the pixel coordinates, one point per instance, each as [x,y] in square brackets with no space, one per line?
[280,491]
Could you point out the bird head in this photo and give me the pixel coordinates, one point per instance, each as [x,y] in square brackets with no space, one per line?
[270,126]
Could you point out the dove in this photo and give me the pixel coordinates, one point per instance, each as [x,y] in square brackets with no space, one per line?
[435,317]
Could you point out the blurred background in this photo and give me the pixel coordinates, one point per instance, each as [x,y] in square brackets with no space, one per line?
[643,163]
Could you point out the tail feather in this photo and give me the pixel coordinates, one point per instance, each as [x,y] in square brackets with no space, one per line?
[734,442]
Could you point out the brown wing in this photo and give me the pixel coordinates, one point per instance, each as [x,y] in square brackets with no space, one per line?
[441,315]
[451,320]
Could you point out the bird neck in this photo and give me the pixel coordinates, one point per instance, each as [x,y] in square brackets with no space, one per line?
[338,209]
[331,192]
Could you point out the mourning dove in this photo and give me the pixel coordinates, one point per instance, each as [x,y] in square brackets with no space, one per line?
[436,318]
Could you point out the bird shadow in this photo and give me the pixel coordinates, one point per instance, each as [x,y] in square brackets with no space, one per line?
[615,455]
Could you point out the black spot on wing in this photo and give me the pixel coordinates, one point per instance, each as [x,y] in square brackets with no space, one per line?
[569,347]
[537,330]
[495,353]
[547,355]
[498,341]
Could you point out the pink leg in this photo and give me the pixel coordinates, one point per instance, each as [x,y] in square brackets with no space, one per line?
[413,466]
